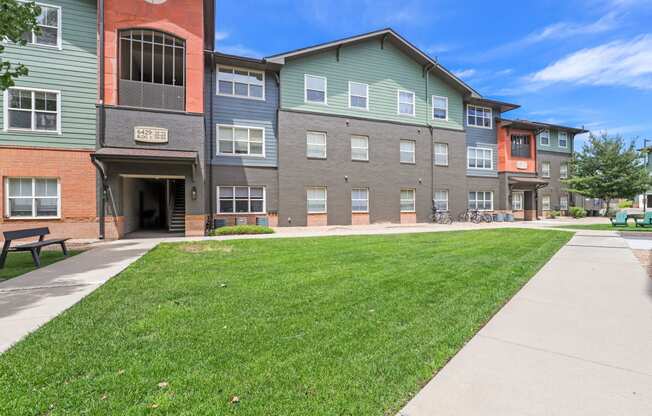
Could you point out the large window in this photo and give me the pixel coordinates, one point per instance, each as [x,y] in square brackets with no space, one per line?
[240,141]
[517,201]
[239,82]
[408,200]
[563,171]
[544,137]
[480,158]
[32,110]
[545,203]
[359,148]
[32,198]
[316,198]
[315,89]
[49,21]
[439,107]
[481,201]
[316,145]
[360,200]
[407,151]
[545,169]
[358,95]
[563,203]
[406,103]
[241,199]
[152,70]
[478,116]
[441,154]
[563,139]
[441,200]
[520,146]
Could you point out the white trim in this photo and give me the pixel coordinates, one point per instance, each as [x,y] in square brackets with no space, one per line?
[59,45]
[476,200]
[366,96]
[563,165]
[476,148]
[432,109]
[358,136]
[33,130]
[234,126]
[325,211]
[561,206]
[435,153]
[414,151]
[521,199]
[414,200]
[491,117]
[305,89]
[541,141]
[217,193]
[320,133]
[33,197]
[545,174]
[559,139]
[367,199]
[543,202]
[235,68]
[398,103]
[434,200]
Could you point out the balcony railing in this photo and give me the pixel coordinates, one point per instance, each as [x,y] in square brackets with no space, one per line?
[520,150]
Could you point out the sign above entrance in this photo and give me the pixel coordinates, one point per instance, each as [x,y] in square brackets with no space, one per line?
[155,135]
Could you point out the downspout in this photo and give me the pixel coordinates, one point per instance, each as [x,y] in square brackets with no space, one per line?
[211,141]
[100,120]
[277,77]
[432,140]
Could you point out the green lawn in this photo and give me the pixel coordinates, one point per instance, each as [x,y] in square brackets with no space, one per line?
[608,227]
[303,326]
[21,262]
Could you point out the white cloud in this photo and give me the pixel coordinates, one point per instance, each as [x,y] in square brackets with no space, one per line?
[465,73]
[239,50]
[221,35]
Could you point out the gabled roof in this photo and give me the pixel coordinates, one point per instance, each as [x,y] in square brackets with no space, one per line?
[383,34]
[537,125]
[503,106]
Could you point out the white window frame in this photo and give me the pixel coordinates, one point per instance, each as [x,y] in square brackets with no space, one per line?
[414,200]
[563,171]
[477,149]
[441,154]
[398,103]
[483,200]
[517,203]
[545,133]
[559,134]
[414,151]
[366,211]
[59,27]
[545,203]
[219,211]
[491,116]
[545,169]
[325,189]
[33,198]
[305,89]
[439,200]
[366,97]
[563,203]
[434,97]
[234,154]
[33,111]
[233,94]
[366,148]
[320,133]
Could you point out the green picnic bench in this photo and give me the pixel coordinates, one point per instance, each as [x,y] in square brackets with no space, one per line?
[620,220]
[646,221]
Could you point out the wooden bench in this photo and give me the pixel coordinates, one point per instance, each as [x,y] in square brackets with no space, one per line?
[34,247]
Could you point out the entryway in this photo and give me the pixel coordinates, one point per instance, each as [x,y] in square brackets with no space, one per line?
[153,206]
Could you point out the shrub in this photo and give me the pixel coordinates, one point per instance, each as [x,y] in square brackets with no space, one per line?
[242,229]
[553,214]
[577,212]
[626,204]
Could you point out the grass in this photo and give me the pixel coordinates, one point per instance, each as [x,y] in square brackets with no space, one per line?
[304,326]
[21,262]
[608,227]
[243,229]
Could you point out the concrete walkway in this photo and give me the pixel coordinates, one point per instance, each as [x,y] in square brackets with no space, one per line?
[576,340]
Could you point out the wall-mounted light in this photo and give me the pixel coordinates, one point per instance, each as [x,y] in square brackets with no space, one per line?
[346,178]
[420,180]
[193,193]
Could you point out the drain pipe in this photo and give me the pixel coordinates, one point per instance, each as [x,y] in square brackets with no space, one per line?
[100,119]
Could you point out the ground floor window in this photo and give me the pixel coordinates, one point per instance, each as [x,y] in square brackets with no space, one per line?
[317,200]
[241,199]
[517,201]
[441,200]
[545,203]
[408,200]
[563,203]
[360,200]
[481,201]
[33,198]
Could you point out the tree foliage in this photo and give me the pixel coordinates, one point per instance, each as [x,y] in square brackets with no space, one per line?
[16,18]
[608,168]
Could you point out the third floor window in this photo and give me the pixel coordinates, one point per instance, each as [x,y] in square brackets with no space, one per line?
[242,83]
[49,22]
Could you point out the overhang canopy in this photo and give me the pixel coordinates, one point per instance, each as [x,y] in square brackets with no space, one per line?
[156,155]
[527,182]
[503,106]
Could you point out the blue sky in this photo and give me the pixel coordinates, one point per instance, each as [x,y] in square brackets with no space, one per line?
[574,62]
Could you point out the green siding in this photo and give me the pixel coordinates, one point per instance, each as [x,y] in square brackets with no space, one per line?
[71,70]
[554,143]
[385,71]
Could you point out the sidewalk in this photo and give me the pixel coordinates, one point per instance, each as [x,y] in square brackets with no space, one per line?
[576,340]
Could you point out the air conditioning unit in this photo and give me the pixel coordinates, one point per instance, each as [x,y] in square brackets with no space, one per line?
[241,221]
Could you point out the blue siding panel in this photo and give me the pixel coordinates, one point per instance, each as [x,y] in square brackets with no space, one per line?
[479,137]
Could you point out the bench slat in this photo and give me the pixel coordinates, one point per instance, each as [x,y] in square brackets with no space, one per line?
[32,232]
[42,243]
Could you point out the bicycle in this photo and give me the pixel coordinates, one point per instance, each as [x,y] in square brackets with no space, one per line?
[475,216]
[440,217]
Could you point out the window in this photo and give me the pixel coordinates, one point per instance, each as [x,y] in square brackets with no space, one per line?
[517,201]
[49,21]
[316,200]
[358,95]
[563,139]
[441,154]
[240,141]
[241,199]
[315,89]
[32,198]
[520,146]
[32,110]
[545,169]
[545,203]
[441,200]
[563,203]
[544,136]
[360,200]
[242,83]
[439,107]
[152,70]
[478,116]
[407,151]
[481,201]
[563,171]
[405,103]
[480,158]
[407,200]
[316,145]
[359,148]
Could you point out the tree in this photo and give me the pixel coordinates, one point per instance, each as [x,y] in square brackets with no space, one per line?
[16,19]
[607,168]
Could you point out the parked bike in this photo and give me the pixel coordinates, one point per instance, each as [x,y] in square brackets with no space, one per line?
[440,217]
[475,216]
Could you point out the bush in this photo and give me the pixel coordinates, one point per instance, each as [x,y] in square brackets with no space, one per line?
[577,212]
[626,204]
[242,230]
[553,214]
